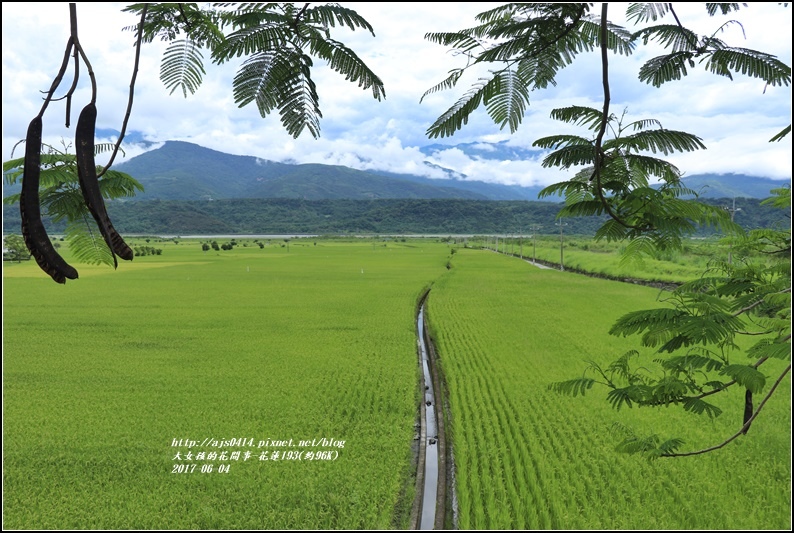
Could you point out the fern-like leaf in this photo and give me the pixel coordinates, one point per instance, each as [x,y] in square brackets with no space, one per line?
[768,348]
[578,115]
[345,61]
[573,387]
[723,8]
[645,12]
[581,208]
[620,397]
[670,446]
[458,115]
[621,367]
[747,376]
[556,141]
[86,244]
[671,36]
[750,63]
[664,141]
[611,231]
[699,407]
[116,184]
[331,15]
[689,362]
[448,83]
[507,105]
[458,40]
[636,249]
[662,69]
[249,41]
[300,104]
[182,67]
[570,156]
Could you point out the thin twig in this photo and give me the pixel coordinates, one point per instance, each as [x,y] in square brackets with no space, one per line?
[132,92]
[57,81]
[299,15]
[681,27]
[182,12]
[72,89]
[79,49]
[757,303]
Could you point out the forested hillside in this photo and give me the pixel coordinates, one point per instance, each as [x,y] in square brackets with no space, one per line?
[426,216]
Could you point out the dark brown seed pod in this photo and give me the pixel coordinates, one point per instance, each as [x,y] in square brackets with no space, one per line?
[89,183]
[33,232]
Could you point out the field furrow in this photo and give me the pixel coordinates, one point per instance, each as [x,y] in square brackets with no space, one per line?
[504,330]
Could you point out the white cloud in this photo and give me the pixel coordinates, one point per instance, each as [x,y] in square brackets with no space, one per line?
[734,118]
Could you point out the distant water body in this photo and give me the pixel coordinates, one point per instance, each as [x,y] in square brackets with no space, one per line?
[309,236]
[285,236]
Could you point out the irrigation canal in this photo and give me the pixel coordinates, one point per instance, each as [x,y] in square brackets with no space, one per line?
[432,465]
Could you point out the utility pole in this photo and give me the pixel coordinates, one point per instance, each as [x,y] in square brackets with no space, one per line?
[732,211]
[520,238]
[534,228]
[561,224]
[520,243]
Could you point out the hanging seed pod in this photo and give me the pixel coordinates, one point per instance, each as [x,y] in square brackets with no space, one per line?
[33,232]
[89,183]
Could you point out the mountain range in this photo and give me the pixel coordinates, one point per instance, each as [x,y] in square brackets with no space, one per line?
[192,189]
[179,170]
[185,171]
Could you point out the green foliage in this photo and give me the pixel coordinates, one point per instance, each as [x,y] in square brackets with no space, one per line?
[615,181]
[14,248]
[416,216]
[182,67]
[617,164]
[141,251]
[709,322]
[86,244]
[652,447]
[62,200]
[533,42]
[278,41]
[618,171]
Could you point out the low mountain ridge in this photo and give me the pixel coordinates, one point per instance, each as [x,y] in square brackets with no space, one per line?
[185,171]
[180,170]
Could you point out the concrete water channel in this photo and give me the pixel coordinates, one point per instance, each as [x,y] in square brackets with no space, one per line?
[432,465]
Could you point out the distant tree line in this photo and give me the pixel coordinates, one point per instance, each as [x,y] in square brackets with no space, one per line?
[282,215]
[147,250]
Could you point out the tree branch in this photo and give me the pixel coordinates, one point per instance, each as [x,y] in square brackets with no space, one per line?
[742,430]
[599,154]
[681,27]
[181,12]
[57,81]
[132,92]
[756,304]
[79,49]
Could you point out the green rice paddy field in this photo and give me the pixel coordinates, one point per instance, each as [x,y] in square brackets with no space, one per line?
[530,458]
[109,379]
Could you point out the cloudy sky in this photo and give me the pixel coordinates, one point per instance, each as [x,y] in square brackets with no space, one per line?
[735,118]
